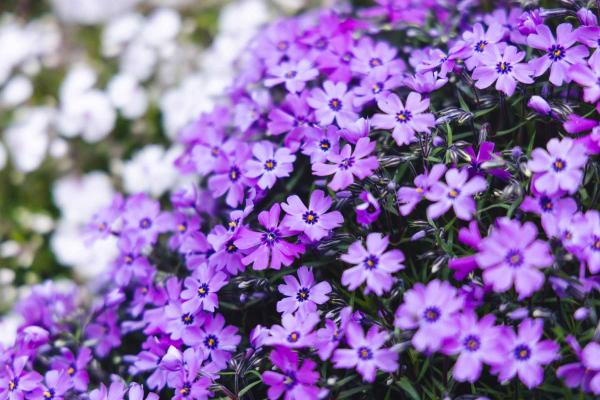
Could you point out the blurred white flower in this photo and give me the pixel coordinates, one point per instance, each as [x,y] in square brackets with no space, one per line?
[17,90]
[151,170]
[138,60]
[27,137]
[90,12]
[17,45]
[119,32]
[128,96]
[8,326]
[161,27]
[79,197]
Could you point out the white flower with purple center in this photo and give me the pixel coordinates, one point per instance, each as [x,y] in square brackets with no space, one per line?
[333,103]
[304,294]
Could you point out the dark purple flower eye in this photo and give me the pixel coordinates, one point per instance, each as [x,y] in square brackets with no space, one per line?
[271,237]
[186,389]
[403,116]
[230,247]
[335,104]
[559,164]
[325,145]
[522,352]
[310,217]
[480,46]
[270,165]
[346,57]
[13,384]
[371,262]
[503,68]
[48,394]
[377,88]
[472,343]
[291,74]
[375,62]
[234,174]
[203,290]
[556,52]
[303,294]
[145,223]
[293,337]
[211,342]
[290,379]
[321,43]
[364,353]
[431,314]
[514,258]
[453,193]
[347,163]
[595,243]
[546,204]
[187,319]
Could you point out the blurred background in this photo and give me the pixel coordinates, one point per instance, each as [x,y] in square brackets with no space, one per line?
[92,92]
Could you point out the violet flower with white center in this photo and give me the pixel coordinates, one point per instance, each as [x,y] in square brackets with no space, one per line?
[304,294]
[526,354]
[366,354]
[512,254]
[405,121]
[373,265]
[503,68]
[293,74]
[559,168]
[314,221]
[560,52]
[269,164]
[409,197]
[201,289]
[295,331]
[333,103]
[348,164]
[266,248]
[456,193]
[432,310]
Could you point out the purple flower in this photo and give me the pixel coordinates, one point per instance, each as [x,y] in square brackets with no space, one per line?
[425,82]
[295,382]
[75,367]
[477,342]
[321,142]
[457,193]
[584,373]
[375,86]
[218,340]
[356,130]
[526,354]
[229,177]
[478,41]
[330,336]
[588,77]
[131,262]
[293,117]
[409,197]
[116,391]
[267,248]
[587,238]
[512,254]
[313,220]
[371,56]
[181,325]
[142,218]
[185,379]
[558,168]
[293,74]
[431,310]
[368,211]
[366,353]
[16,383]
[101,225]
[295,331]
[201,289]
[373,264]
[436,58]
[136,392]
[333,102]
[485,153]
[503,68]
[303,294]
[226,254]
[560,53]
[335,61]
[539,105]
[348,164]
[404,120]
[269,164]
[57,385]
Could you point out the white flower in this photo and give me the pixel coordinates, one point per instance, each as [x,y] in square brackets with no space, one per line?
[79,197]
[119,32]
[90,12]
[17,90]
[27,137]
[151,170]
[127,95]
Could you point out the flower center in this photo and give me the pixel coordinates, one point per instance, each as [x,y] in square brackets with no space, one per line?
[375,62]
[480,46]
[293,337]
[453,193]
[347,163]
[472,343]
[12,385]
[321,43]
[377,88]
[371,262]
[291,74]
[346,57]
[270,165]
[559,164]
[324,145]
[335,104]
[310,217]
[364,353]
[271,237]
[233,224]
[215,152]
[230,247]
[49,394]
[403,116]
[185,389]
[556,52]
[303,295]
[203,290]
[145,223]
[431,314]
[290,379]
[503,68]
[182,227]
[546,204]
[522,352]
[283,45]
[187,319]
[71,370]
[211,342]
[234,174]
[514,258]
[595,243]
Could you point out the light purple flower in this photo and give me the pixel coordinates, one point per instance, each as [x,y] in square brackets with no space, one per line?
[457,193]
[478,41]
[295,331]
[201,289]
[293,74]
[321,142]
[219,341]
[294,381]
[588,76]
[559,167]
[269,164]
[304,294]
[75,366]
[431,310]
[560,52]
[16,383]
[526,354]
[368,211]
[371,56]
[314,221]
[116,391]
[366,353]
[503,68]
[348,164]
[374,264]
[267,248]
[404,120]
[409,197]
[333,102]
[512,254]
[57,385]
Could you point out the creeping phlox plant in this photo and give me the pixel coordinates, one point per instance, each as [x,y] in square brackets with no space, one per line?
[397,201]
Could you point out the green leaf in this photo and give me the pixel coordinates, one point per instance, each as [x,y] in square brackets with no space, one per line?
[405,384]
[248,388]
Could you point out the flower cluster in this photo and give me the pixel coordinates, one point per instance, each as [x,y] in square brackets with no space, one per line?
[301,256]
